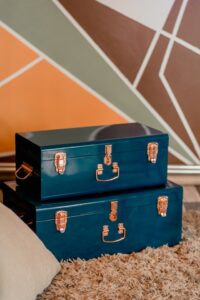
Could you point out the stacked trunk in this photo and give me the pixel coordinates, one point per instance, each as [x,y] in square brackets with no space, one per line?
[96,190]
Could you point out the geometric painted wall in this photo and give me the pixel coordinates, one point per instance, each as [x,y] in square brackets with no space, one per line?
[69,64]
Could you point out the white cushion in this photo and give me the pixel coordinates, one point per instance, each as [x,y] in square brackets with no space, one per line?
[26,266]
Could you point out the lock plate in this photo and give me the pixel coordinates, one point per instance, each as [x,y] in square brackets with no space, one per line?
[108,155]
[60,162]
[162,205]
[152,152]
[61,220]
[113,212]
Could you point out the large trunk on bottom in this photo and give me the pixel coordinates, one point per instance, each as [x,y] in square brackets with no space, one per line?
[91,226]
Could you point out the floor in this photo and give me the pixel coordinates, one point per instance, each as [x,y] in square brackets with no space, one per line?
[192,197]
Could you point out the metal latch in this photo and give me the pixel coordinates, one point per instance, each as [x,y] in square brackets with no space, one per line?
[162,205]
[61,220]
[108,155]
[60,162]
[152,152]
[107,161]
[113,213]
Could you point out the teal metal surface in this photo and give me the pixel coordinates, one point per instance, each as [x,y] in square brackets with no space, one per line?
[85,149]
[137,211]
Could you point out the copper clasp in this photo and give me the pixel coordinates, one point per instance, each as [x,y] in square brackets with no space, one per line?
[61,220]
[60,162]
[108,155]
[162,205]
[152,152]
[113,212]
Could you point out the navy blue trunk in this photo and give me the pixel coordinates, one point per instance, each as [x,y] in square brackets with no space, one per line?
[112,223]
[81,161]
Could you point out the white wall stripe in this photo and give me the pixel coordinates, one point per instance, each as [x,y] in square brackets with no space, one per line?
[21,39]
[152,47]
[166,84]
[82,84]
[146,59]
[174,33]
[168,128]
[179,156]
[180,113]
[20,71]
[126,81]
[165,33]
[181,42]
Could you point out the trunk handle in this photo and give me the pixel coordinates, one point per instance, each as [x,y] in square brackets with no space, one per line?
[99,171]
[121,230]
[27,170]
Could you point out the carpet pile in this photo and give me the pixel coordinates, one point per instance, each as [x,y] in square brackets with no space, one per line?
[152,274]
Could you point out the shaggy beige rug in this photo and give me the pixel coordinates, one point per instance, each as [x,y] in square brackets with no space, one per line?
[164,273]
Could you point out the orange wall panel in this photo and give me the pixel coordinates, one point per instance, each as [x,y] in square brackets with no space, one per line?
[45,98]
[14,55]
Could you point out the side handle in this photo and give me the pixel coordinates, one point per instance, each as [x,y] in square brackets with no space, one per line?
[27,170]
